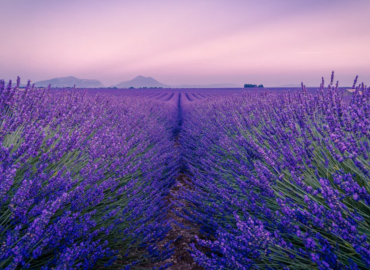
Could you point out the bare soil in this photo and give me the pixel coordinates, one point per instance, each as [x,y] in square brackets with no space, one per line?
[181,259]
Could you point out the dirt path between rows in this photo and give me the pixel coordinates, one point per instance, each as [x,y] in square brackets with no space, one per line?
[180,236]
[185,234]
[181,259]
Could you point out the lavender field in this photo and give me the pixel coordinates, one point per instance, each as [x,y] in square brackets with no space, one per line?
[185,178]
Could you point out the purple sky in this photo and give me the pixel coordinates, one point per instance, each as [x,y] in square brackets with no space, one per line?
[274,42]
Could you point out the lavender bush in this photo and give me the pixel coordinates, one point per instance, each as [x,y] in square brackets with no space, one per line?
[280,180]
[83,178]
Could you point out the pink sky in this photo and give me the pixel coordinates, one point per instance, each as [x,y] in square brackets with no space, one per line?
[186,42]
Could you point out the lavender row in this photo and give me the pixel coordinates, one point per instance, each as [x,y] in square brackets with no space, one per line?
[83,178]
[279,180]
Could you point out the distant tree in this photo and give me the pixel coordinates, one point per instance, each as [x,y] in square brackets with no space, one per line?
[260,86]
[131,87]
[250,85]
[145,87]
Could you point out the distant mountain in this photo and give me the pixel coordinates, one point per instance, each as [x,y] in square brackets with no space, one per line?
[141,81]
[70,82]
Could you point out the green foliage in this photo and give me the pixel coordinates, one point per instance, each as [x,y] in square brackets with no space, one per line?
[250,85]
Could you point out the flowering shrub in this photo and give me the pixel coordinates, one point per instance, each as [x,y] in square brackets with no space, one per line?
[280,180]
[83,178]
